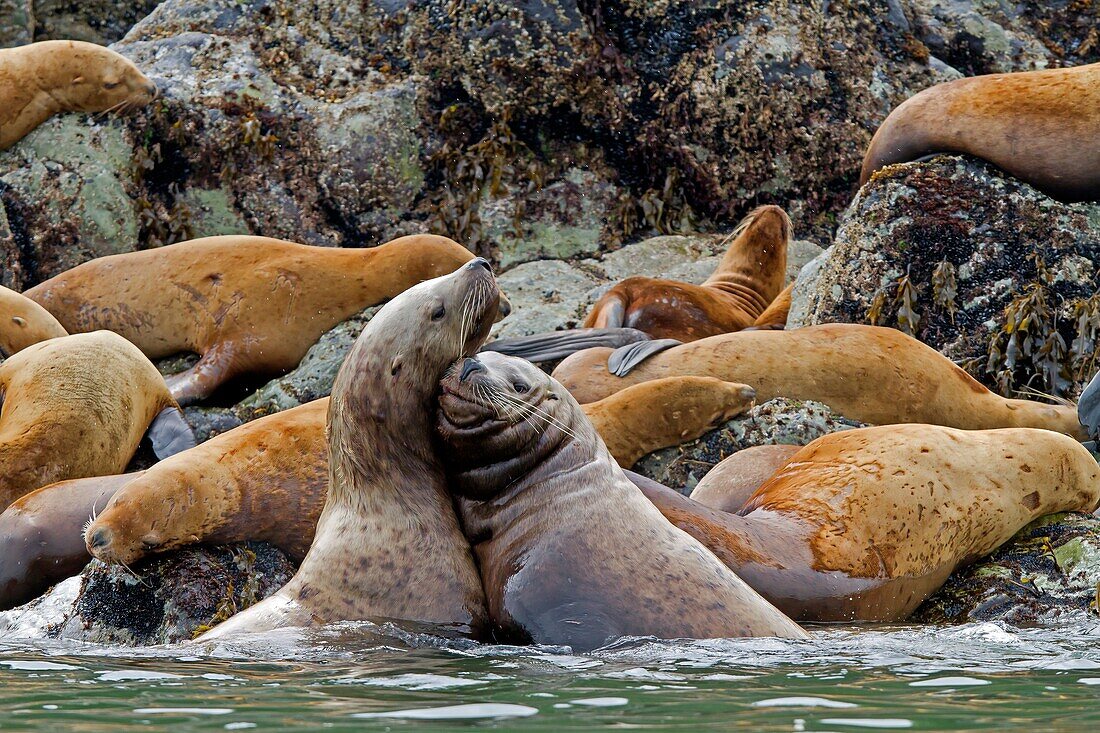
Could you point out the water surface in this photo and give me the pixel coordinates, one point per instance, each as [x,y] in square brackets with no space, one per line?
[973,677]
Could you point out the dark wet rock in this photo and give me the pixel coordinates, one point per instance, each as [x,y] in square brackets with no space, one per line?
[1049,569]
[16,22]
[779,421]
[209,422]
[96,21]
[959,254]
[177,595]
[314,376]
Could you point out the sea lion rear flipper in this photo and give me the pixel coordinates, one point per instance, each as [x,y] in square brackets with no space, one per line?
[170,433]
[1088,408]
[557,345]
[623,360]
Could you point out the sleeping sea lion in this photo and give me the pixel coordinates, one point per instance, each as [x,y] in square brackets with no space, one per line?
[248,305]
[42,79]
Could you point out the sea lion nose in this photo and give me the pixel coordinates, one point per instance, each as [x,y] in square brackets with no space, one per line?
[99,539]
[504,307]
[479,262]
[470,366]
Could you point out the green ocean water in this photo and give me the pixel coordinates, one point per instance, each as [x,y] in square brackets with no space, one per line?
[975,677]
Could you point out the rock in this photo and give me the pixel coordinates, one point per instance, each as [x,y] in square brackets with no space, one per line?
[1051,568]
[96,21]
[545,129]
[993,37]
[779,421]
[314,376]
[209,422]
[178,594]
[16,23]
[949,250]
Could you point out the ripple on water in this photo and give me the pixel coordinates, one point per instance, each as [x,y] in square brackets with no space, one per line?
[458,712]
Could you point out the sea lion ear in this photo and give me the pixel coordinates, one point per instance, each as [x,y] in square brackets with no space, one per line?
[1088,408]
[78,80]
[19,321]
[395,366]
[622,361]
[170,434]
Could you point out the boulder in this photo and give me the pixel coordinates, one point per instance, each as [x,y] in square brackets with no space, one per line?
[1050,569]
[779,421]
[981,266]
[165,599]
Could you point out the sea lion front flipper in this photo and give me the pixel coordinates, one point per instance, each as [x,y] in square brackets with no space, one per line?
[213,369]
[170,434]
[622,361]
[557,345]
[1088,408]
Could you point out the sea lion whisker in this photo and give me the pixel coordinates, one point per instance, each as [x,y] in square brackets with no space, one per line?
[520,404]
[137,577]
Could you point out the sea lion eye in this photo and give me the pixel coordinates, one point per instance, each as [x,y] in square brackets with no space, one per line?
[521,388]
[111,84]
[439,312]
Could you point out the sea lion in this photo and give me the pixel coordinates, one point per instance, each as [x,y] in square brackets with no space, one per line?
[569,550]
[663,413]
[749,277]
[40,538]
[42,79]
[248,305]
[1088,409]
[866,373]
[1042,127]
[78,406]
[24,322]
[863,525]
[388,544]
[267,479]
[729,484]
[775,315]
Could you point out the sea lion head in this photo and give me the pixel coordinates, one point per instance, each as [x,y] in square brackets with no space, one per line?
[141,517]
[85,77]
[498,417]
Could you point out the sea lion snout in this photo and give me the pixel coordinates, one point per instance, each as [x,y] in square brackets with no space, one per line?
[100,539]
[479,262]
[470,366]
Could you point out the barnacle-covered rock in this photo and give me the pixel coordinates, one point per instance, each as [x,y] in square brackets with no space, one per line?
[979,265]
[779,421]
[1049,569]
[163,599]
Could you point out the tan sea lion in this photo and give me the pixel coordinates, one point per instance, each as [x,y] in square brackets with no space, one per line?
[247,305]
[24,322]
[42,79]
[866,373]
[388,544]
[663,413]
[749,277]
[78,406]
[40,538]
[267,479]
[1042,127]
[775,315]
[730,483]
[569,551]
[865,524]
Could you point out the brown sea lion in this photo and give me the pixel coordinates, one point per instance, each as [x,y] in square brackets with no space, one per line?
[866,373]
[865,524]
[267,480]
[388,544]
[78,406]
[731,482]
[1042,126]
[569,550]
[749,277]
[42,79]
[247,305]
[24,322]
[40,538]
